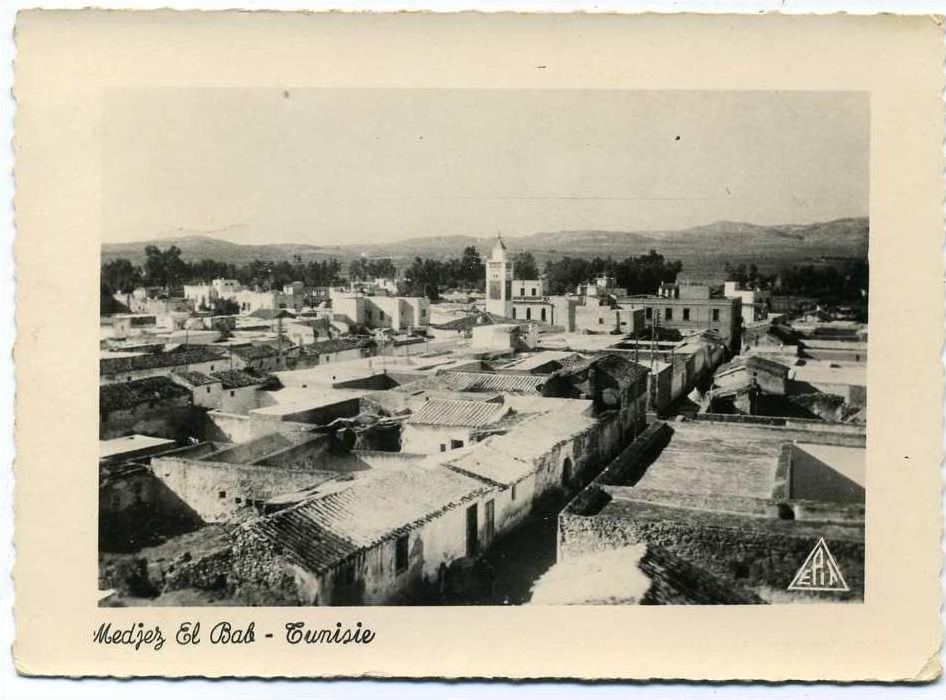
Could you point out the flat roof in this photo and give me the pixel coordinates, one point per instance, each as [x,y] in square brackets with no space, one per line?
[713,459]
[130,443]
[534,360]
[307,400]
[855,375]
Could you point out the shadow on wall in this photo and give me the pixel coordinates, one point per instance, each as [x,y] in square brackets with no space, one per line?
[140,511]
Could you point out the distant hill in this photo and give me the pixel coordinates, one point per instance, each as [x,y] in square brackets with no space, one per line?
[194,248]
[723,240]
[700,248]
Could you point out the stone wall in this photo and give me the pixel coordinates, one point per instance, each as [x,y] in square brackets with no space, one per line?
[137,510]
[216,490]
[174,420]
[236,428]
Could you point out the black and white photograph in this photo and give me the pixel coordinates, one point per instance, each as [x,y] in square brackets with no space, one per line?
[482,347]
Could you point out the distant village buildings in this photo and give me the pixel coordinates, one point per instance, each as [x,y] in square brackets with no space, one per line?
[347,446]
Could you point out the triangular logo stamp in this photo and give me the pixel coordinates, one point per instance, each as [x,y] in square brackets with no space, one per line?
[820,572]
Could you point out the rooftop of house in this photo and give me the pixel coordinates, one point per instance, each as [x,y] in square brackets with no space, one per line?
[492,382]
[194,378]
[373,506]
[469,414]
[326,347]
[537,360]
[296,400]
[181,355]
[734,467]
[830,373]
[271,314]
[753,363]
[129,444]
[482,318]
[251,352]
[237,378]
[123,395]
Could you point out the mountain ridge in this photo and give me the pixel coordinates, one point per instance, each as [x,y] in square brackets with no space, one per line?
[846,237]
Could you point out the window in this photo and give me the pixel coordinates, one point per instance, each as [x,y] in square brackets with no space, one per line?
[238,500]
[686,314]
[528,314]
[400,554]
[543,314]
[715,314]
[211,368]
[513,311]
[512,493]
[208,389]
[533,291]
[221,494]
[456,444]
[600,320]
[649,313]
[443,447]
[522,291]
[668,314]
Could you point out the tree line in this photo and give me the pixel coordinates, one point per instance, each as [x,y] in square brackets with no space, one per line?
[165,268]
[846,281]
[422,277]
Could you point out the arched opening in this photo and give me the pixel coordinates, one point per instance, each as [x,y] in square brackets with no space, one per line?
[567,471]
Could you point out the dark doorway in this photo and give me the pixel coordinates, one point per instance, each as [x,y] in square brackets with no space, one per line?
[472,526]
[490,515]
[567,471]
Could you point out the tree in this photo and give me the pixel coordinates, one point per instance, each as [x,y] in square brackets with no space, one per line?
[471,269]
[524,266]
[164,268]
[120,276]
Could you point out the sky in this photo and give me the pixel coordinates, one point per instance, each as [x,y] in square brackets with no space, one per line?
[346,166]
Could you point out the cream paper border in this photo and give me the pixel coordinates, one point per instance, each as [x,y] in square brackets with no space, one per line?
[66,59]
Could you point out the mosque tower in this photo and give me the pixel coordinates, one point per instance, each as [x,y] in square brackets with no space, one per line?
[499,281]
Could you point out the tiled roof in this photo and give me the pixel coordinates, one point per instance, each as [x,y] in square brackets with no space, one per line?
[754,362]
[194,378]
[184,355]
[489,460]
[623,370]
[236,378]
[254,352]
[471,414]
[323,531]
[483,381]
[270,314]
[484,318]
[326,347]
[113,397]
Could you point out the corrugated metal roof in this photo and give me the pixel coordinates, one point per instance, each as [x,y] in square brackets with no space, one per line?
[323,531]
[482,381]
[473,414]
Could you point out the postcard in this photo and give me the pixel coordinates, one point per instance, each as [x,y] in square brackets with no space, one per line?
[478,345]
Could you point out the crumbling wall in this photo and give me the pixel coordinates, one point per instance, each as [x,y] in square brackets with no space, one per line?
[760,558]
[137,510]
[216,490]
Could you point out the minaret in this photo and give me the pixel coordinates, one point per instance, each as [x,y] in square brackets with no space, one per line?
[499,281]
